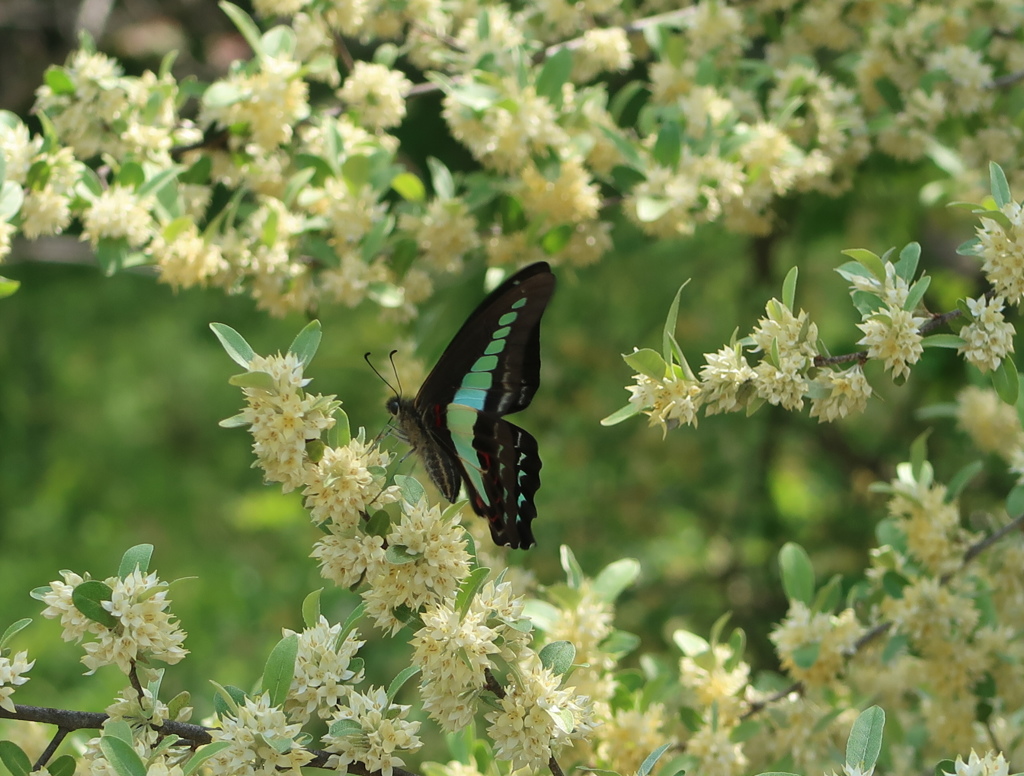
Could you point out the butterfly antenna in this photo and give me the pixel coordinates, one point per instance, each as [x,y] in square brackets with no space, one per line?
[391,358]
[366,358]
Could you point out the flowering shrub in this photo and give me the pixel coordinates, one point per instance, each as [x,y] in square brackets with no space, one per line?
[660,122]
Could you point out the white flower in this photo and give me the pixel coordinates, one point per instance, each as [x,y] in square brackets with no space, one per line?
[12,674]
[848,391]
[377,93]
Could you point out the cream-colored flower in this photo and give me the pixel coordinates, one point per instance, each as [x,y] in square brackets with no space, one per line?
[988,339]
[834,636]
[436,562]
[894,337]
[723,376]
[262,741]
[377,733]
[848,391]
[535,718]
[323,670]
[118,213]
[1002,253]
[376,93]
[12,674]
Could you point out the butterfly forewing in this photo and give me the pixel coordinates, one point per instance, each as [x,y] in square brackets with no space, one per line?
[491,368]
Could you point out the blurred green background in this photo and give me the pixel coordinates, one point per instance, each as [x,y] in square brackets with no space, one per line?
[112,388]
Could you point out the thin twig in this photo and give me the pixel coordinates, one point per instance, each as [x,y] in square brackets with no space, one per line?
[44,758]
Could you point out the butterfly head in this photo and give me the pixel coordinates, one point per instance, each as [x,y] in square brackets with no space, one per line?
[394,404]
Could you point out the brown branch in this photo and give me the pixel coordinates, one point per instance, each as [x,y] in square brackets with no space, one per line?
[1004,81]
[56,741]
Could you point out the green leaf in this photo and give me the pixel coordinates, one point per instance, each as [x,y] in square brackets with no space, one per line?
[669,348]
[960,480]
[409,186]
[651,759]
[1015,502]
[311,608]
[379,524]
[573,572]
[668,146]
[865,740]
[689,643]
[616,577]
[158,181]
[203,754]
[398,681]
[869,260]
[806,655]
[398,555]
[619,643]
[234,343]
[13,629]
[57,78]
[558,656]
[789,288]
[227,699]
[828,596]
[341,432]
[554,75]
[943,767]
[410,489]
[1000,188]
[88,598]
[62,766]
[280,669]
[441,178]
[953,341]
[12,756]
[277,41]
[306,342]
[916,294]
[621,414]
[650,209]
[555,239]
[906,267]
[355,171]
[797,573]
[221,94]
[11,199]
[919,453]
[245,25]
[122,757]
[1006,381]
[135,557]
[468,588]
[111,254]
[261,380]
[647,362]
[8,286]
[341,728]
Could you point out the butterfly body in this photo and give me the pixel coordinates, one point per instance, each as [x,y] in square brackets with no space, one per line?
[456,422]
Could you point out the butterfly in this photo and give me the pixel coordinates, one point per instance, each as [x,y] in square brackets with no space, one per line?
[456,423]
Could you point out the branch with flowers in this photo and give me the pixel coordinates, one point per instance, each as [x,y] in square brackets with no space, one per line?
[795,364]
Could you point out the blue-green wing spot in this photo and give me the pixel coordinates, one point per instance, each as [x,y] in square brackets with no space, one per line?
[461,421]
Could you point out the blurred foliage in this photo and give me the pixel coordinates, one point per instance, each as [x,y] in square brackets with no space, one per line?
[112,389]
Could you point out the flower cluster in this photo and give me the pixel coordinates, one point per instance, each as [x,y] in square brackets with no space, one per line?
[138,626]
[1001,248]
[426,562]
[453,649]
[326,667]
[261,738]
[283,418]
[536,718]
[371,730]
[830,637]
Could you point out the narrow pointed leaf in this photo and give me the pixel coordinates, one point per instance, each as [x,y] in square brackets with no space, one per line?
[280,669]
[306,342]
[234,343]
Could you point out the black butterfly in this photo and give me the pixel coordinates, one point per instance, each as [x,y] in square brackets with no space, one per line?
[491,368]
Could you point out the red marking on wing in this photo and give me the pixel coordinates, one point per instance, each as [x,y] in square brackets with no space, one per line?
[438,416]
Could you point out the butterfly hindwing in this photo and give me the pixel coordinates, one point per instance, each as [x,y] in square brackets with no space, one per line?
[491,368]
